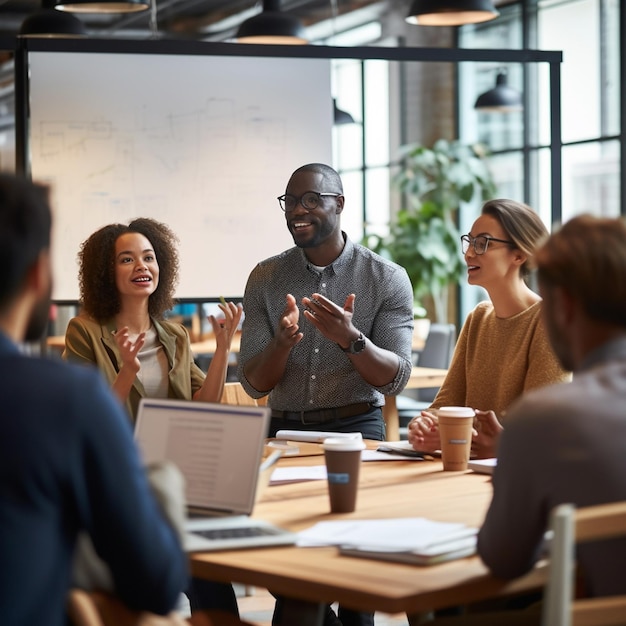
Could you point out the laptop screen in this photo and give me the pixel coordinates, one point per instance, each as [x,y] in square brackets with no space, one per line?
[217,447]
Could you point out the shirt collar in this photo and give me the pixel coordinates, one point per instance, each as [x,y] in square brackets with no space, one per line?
[614,350]
[7,345]
[341,261]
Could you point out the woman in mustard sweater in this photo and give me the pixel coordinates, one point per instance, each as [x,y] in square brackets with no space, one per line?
[503,349]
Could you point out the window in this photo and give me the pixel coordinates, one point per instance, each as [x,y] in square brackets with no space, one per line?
[361,152]
[587,31]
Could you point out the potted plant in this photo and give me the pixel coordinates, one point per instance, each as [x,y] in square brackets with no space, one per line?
[423,237]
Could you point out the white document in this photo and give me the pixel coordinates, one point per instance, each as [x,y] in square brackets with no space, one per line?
[482,466]
[398,534]
[286,475]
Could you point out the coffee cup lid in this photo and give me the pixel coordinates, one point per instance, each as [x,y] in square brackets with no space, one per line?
[342,444]
[456,411]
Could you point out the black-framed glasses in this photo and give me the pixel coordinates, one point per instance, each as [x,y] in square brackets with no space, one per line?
[309,200]
[480,243]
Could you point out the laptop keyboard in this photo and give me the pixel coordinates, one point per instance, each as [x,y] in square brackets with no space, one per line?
[236,533]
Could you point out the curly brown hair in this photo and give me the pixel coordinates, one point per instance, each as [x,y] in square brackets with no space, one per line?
[98,291]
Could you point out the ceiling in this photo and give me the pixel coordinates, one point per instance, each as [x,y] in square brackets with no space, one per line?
[199,20]
[209,20]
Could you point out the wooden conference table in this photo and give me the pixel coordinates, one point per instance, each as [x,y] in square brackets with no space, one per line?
[311,577]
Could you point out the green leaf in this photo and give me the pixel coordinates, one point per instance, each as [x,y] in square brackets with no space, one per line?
[424,237]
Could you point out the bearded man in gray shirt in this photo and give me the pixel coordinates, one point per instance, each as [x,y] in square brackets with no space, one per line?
[327,365]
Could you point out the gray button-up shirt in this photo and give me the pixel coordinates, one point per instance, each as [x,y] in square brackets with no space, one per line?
[318,373]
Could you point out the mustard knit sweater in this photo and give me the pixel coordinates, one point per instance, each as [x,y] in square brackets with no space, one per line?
[495,360]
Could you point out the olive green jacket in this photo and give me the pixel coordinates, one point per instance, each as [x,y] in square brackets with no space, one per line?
[89,342]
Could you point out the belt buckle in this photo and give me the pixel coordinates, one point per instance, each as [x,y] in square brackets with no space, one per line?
[302,418]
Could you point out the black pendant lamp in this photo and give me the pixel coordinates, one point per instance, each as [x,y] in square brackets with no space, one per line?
[451,12]
[340,116]
[103,6]
[501,98]
[49,23]
[272,26]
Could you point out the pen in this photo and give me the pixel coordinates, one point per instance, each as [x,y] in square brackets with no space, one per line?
[223,301]
[410,453]
[270,460]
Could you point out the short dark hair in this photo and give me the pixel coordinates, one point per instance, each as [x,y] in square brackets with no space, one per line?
[331,177]
[25,222]
[587,258]
[98,291]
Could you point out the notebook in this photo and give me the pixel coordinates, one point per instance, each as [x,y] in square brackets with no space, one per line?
[483,466]
[218,448]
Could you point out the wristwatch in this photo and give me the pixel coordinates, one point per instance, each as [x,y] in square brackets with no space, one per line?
[356,346]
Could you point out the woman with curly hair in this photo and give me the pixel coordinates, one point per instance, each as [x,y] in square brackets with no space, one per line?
[127,277]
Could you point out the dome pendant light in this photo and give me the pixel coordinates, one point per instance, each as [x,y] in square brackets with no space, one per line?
[501,98]
[451,12]
[271,26]
[103,6]
[49,23]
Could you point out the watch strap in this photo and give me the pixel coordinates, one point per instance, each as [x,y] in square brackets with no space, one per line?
[355,346]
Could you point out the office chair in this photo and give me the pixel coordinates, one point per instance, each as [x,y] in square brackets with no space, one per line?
[437,352]
[573,526]
[99,608]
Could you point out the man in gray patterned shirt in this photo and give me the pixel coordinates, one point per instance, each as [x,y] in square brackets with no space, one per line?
[328,323]
[328,366]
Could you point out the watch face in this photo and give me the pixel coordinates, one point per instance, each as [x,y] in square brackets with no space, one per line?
[358,345]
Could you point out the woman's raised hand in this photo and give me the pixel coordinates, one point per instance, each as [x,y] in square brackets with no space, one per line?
[224,330]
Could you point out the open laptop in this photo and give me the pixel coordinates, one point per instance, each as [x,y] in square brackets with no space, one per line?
[218,448]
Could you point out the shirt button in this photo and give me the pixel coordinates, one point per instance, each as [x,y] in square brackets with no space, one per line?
[310,401]
[324,285]
[316,350]
[313,377]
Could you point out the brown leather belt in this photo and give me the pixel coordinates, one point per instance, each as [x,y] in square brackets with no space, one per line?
[323,415]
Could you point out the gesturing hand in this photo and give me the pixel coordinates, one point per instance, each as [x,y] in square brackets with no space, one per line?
[129,349]
[225,330]
[334,322]
[288,332]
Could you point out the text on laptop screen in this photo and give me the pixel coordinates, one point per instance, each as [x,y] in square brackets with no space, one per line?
[217,447]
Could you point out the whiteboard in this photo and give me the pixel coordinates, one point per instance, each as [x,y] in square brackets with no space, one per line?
[202,143]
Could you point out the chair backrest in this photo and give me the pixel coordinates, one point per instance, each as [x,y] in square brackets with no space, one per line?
[437,352]
[572,526]
[234,393]
[99,608]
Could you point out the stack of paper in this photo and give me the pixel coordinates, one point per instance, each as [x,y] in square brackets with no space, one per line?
[315,436]
[418,540]
[482,466]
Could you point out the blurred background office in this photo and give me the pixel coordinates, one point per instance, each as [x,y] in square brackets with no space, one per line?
[383,105]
